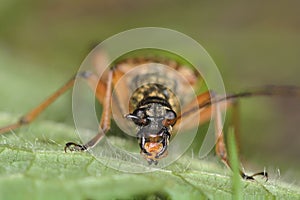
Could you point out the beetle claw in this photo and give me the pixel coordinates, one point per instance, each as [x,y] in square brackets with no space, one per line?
[263,174]
[71,146]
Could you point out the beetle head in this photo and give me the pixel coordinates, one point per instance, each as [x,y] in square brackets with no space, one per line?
[154,123]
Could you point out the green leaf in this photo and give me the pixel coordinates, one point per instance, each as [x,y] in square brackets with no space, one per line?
[234,161]
[33,165]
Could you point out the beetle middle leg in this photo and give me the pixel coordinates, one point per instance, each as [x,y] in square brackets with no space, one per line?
[210,109]
[205,102]
[221,149]
[208,112]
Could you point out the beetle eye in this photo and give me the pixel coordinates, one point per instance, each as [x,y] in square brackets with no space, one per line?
[170,118]
[170,115]
[140,114]
[140,118]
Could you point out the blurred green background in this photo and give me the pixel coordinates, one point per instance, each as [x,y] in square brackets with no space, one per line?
[42,44]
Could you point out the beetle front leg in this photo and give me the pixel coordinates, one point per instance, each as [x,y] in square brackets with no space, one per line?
[104,123]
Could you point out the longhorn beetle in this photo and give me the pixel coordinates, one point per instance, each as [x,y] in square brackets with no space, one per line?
[153,107]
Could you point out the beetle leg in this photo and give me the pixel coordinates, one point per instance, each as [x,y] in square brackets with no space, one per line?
[205,113]
[30,116]
[211,107]
[220,149]
[104,123]
[186,119]
[195,109]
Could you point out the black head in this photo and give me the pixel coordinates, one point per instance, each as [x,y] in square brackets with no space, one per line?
[154,123]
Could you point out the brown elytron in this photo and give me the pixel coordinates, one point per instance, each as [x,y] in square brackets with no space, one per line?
[154,105]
